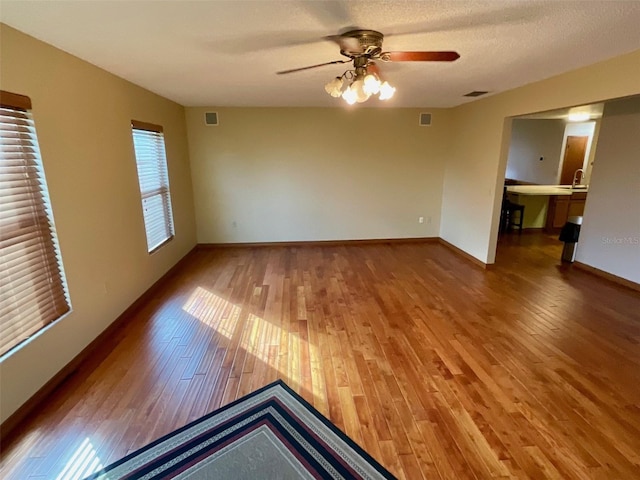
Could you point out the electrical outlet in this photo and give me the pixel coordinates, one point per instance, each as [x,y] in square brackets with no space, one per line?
[428,220]
[420,219]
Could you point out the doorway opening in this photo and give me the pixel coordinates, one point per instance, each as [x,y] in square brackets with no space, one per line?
[608,197]
[550,158]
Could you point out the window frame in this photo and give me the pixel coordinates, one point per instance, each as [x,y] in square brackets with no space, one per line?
[36,290]
[164,190]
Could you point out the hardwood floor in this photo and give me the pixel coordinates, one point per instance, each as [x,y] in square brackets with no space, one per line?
[436,367]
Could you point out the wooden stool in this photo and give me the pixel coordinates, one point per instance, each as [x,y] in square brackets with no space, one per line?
[507,220]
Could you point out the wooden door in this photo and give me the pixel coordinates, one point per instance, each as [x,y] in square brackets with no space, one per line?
[573,158]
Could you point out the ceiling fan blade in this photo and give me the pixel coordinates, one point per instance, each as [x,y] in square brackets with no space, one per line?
[419,56]
[259,42]
[346,44]
[517,13]
[330,13]
[373,68]
[311,66]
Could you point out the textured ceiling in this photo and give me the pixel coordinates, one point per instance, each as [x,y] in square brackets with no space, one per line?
[226,53]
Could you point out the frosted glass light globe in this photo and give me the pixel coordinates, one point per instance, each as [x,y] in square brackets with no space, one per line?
[358,87]
[334,87]
[349,96]
[371,84]
[386,91]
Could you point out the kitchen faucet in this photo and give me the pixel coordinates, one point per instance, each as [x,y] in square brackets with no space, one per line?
[575,177]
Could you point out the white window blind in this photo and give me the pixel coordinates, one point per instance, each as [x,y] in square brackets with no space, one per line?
[148,142]
[32,288]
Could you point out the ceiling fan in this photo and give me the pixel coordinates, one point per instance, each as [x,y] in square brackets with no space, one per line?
[363,48]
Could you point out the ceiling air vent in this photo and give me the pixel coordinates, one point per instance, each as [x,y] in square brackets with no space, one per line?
[425,119]
[475,93]
[211,119]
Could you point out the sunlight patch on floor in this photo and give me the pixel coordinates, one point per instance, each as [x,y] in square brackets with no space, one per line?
[84,462]
[259,337]
[213,310]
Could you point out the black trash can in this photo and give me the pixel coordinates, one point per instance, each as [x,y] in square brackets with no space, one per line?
[569,235]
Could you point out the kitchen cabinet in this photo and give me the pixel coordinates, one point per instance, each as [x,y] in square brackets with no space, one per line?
[576,204]
[563,207]
[558,212]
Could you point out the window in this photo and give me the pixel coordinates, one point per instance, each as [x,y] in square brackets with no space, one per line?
[33,292]
[148,143]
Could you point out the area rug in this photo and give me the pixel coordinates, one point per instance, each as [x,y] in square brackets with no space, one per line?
[272,433]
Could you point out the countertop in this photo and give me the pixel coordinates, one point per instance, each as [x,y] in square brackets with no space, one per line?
[545,189]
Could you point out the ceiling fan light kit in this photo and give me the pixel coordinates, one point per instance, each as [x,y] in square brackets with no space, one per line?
[363,48]
[363,85]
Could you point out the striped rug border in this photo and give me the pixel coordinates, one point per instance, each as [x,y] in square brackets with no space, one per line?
[289,415]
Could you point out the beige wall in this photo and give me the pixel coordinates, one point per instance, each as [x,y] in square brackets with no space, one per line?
[530,140]
[475,169]
[289,174]
[610,235]
[82,116]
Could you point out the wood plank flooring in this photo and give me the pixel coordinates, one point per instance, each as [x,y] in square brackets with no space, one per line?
[436,367]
